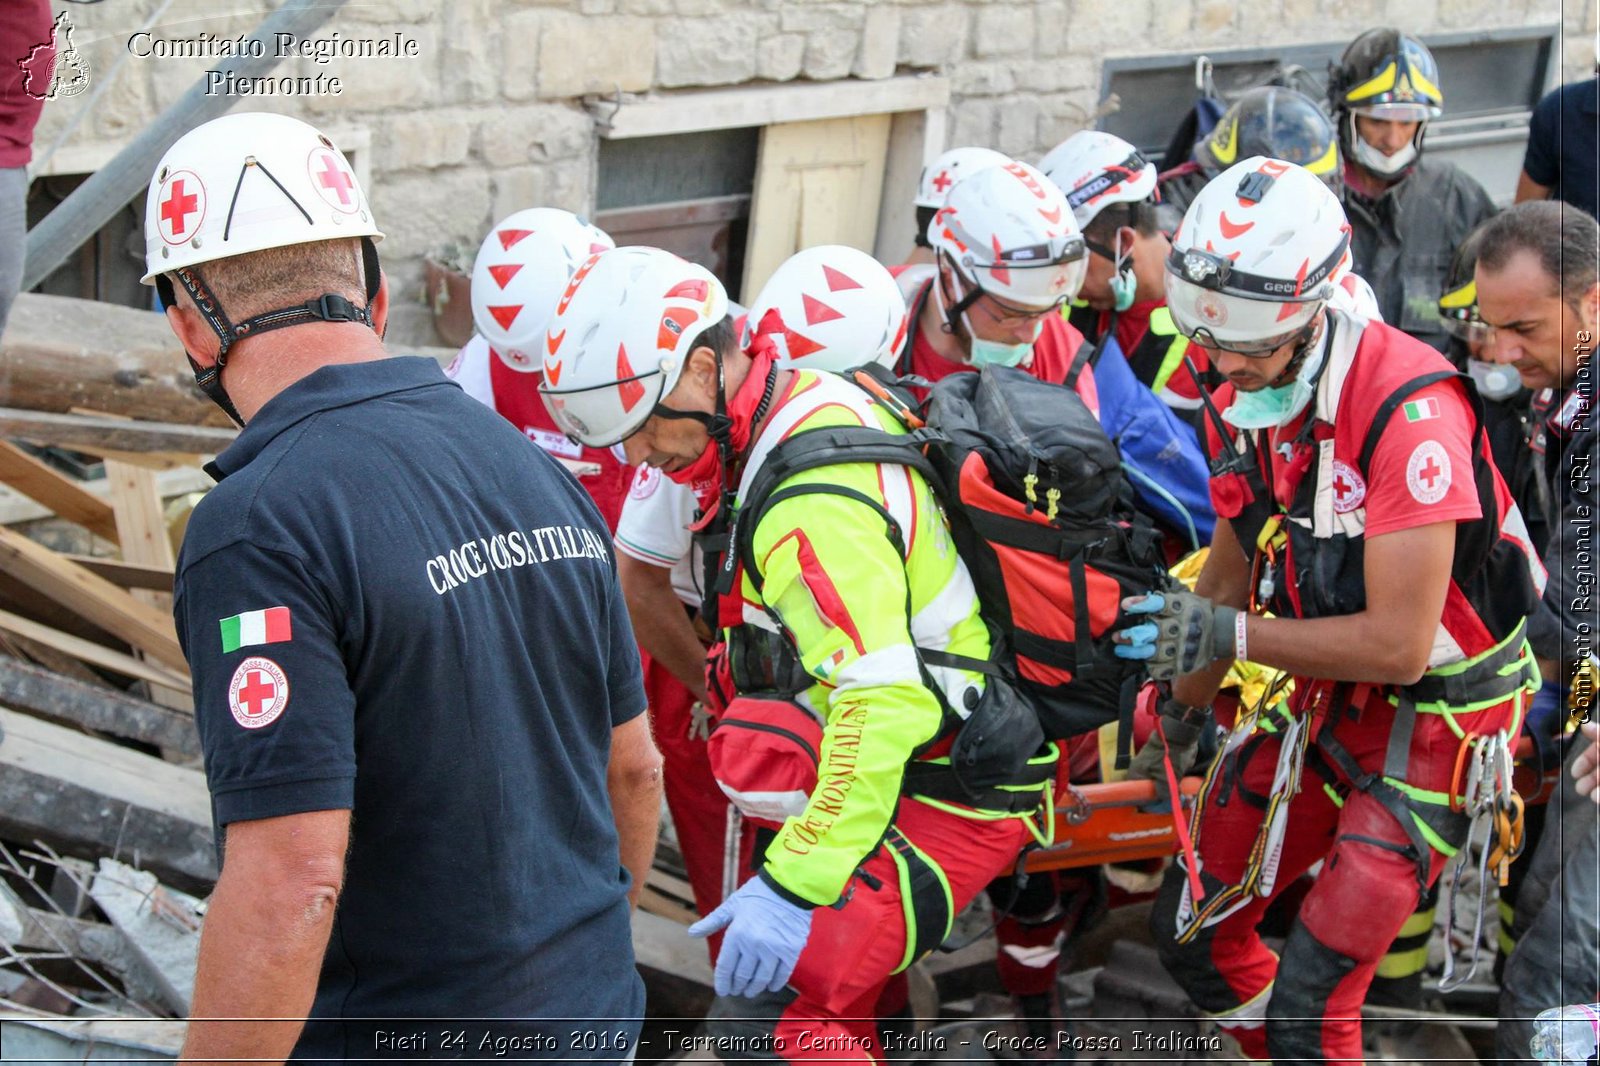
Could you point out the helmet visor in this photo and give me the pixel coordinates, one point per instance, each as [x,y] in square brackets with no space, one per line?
[1470,330]
[1399,112]
[605,414]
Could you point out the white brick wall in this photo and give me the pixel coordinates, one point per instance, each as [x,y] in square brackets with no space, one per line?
[488,118]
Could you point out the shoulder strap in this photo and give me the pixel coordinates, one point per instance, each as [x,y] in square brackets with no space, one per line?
[1392,403]
[903,363]
[1089,355]
[828,446]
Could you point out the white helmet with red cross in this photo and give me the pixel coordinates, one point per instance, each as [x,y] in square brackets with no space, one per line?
[1008,231]
[1258,254]
[521,271]
[247,182]
[941,175]
[828,308]
[1095,169]
[622,331]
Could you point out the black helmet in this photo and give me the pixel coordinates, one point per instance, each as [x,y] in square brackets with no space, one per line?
[1279,123]
[1384,74]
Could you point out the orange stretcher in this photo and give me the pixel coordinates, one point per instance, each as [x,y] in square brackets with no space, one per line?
[1104,823]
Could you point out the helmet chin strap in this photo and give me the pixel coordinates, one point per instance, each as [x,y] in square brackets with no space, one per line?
[1302,349]
[329,307]
[953,313]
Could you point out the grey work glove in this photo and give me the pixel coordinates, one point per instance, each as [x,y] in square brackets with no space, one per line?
[1185,632]
[1183,743]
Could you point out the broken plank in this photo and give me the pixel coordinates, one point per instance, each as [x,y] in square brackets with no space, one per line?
[90,797]
[92,597]
[119,434]
[31,688]
[121,572]
[44,484]
[142,530]
[92,653]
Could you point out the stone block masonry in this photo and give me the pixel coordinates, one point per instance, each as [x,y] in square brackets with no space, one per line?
[488,116]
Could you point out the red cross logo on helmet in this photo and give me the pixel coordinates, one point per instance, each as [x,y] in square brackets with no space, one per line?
[182,206]
[333,180]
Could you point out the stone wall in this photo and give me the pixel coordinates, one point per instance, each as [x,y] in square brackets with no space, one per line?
[488,117]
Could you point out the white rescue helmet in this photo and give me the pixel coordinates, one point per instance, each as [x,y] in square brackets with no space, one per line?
[1008,231]
[247,182]
[829,308]
[1259,252]
[1095,169]
[941,175]
[522,269]
[622,330]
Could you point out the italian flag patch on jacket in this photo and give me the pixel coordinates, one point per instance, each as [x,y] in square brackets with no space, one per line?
[270,626]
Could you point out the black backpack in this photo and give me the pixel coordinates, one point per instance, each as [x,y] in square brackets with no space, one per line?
[1033,491]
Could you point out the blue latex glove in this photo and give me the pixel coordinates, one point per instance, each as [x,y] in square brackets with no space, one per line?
[766,934]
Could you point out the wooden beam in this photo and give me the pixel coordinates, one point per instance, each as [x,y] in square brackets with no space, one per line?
[121,572]
[95,598]
[89,797]
[71,430]
[696,110]
[92,653]
[62,353]
[142,529]
[63,495]
[32,688]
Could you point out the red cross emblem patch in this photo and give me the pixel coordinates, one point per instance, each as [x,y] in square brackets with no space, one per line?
[1349,489]
[258,692]
[180,206]
[333,181]
[1428,472]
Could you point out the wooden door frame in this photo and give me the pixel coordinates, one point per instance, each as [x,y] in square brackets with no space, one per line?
[918,105]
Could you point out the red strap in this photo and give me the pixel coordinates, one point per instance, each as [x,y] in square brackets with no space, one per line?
[1180,823]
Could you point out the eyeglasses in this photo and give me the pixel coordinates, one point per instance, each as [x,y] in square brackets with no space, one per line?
[1256,349]
[1009,313]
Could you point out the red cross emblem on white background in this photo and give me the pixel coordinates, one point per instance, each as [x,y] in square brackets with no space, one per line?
[258,692]
[1349,489]
[333,180]
[942,181]
[1430,472]
[181,207]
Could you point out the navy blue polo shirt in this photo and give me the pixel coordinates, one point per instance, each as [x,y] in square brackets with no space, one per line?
[392,603]
[1564,144]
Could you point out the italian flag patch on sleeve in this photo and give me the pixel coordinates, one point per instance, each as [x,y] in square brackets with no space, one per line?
[1421,410]
[270,626]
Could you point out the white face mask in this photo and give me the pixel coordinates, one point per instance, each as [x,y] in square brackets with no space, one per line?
[1495,381]
[1385,166]
[1266,408]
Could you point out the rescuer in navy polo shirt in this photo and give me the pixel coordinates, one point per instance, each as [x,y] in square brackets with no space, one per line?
[1563,156]
[414,677]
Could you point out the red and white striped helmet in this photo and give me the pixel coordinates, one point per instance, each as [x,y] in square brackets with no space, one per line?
[1008,230]
[1258,253]
[1094,170]
[829,308]
[522,268]
[622,330]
